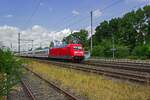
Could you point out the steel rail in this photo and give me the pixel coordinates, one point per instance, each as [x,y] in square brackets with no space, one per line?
[141,68]
[29,92]
[120,63]
[137,77]
[67,94]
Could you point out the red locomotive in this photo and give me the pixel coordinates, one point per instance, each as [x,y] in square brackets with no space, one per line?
[72,52]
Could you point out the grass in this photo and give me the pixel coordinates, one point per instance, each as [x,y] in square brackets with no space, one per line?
[91,86]
[2,98]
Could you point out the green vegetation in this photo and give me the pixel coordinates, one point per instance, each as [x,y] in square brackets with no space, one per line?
[131,35]
[78,37]
[91,86]
[10,71]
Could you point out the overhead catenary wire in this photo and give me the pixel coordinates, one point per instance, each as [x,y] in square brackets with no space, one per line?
[28,21]
[88,17]
[135,6]
[96,19]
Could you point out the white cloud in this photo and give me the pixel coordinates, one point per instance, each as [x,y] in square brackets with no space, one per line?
[74,12]
[8,16]
[40,35]
[97,13]
[8,34]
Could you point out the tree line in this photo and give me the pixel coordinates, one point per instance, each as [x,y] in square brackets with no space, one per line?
[130,34]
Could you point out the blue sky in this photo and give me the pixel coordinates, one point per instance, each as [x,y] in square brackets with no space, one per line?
[60,14]
[47,20]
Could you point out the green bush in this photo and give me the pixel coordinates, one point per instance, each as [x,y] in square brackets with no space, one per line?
[121,52]
[105,50]
[107,47]
[148,51]
[141,51]
[98,51]
[10,71]
[132,57]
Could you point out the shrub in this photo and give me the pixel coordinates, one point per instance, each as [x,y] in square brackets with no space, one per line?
[10,71]
[148,51]
[105,50]
[132,57]
[141,51]
[121,51]
[98,51]
[107,47]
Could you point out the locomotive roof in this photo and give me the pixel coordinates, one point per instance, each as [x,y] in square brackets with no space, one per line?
[74,45]
[67,45]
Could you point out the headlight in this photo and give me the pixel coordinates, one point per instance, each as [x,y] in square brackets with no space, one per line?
[78,52]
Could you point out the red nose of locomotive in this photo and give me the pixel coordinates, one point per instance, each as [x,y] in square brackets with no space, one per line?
[78,53]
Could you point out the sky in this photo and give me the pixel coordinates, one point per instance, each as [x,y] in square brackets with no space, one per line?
[47,20]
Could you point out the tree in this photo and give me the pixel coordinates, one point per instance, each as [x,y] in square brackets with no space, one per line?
[78,37]
[146,10]
[102,32]
[114,25]
[131,31]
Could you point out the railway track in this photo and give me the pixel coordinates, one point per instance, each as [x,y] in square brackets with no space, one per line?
[142,67]
[34,87]
[122,71]
[22,93]
[45,90]
[29,92]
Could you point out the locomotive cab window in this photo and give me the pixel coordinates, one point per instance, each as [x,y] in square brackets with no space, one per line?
[77,48]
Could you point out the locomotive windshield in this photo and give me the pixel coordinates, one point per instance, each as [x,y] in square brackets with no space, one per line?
[77,48]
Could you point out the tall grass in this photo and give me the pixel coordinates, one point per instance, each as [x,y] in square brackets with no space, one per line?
[91,86]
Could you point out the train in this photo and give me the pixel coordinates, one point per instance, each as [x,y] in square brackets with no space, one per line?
[70,52]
